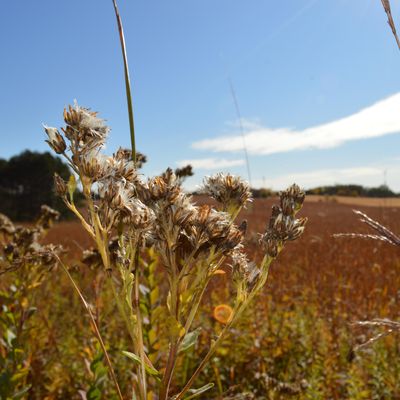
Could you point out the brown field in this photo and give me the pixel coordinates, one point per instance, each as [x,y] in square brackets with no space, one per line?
[301,327]
[357,201]
[363,272]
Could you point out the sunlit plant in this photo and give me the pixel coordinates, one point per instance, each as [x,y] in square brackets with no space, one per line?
[191,243]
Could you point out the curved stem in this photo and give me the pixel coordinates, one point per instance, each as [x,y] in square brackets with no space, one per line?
[95,327]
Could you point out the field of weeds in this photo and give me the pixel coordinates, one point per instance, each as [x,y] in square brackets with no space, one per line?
[154,294]
[296,341]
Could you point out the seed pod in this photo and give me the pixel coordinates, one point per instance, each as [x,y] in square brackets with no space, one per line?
[60,185]
[56,141]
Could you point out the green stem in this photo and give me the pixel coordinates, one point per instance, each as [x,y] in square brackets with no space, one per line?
[239,309]
[174,345]
[143,385]
[127,81]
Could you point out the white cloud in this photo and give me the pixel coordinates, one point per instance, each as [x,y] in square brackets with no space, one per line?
[382,118]
[210,163]
[363,175]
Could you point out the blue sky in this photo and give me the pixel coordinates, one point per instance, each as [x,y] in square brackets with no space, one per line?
[302,70]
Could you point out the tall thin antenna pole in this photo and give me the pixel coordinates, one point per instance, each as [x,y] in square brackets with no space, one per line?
[235,101]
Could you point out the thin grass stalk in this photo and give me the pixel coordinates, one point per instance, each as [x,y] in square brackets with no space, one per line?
[127,81]
[95,327]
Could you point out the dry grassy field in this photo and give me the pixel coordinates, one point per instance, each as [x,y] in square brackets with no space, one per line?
[296,341]
[362,275]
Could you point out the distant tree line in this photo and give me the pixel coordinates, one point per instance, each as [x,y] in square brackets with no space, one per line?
[26,182]
[353,191]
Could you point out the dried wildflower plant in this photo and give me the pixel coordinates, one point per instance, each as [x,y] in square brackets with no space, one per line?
[21,246]
[385,235]
[129,215]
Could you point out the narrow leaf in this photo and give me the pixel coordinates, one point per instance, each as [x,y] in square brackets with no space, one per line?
[150,370]
[189,340]
[199,391]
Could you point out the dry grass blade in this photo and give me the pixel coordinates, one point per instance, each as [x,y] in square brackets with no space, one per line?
[384,234]
[388,11]
[391,326]
[379,322]
[94,325]
[363,236]
[383,231]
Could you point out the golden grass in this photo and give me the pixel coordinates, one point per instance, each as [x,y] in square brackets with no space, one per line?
[356,201]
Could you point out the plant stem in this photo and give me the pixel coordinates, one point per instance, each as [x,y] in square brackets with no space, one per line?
[236,315]
[143,385]
[174,345]
[127,81]
[166,382]
[203,362]
[95,327]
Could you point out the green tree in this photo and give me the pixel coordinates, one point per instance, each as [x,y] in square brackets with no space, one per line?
[26,182]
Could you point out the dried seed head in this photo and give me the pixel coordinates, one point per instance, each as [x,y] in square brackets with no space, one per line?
[47,216]
[182,210]
[141,217]
[271,244]
[221,232]
[84,128]
[125,206]
[292,200]
[283,226]
[123,169]
[60,185]
[228,189]
[164,187]
[56,141]
[243,269]
[6,226]
[140,160]
[93,165]
[184,172]
[126,155]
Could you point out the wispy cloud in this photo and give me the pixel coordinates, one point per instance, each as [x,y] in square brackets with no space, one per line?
[379,119]
[363,175]
[210,163]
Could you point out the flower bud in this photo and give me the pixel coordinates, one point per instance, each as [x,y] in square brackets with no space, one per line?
[56,141]
[59,185]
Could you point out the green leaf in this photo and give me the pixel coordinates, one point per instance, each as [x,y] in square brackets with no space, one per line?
[30,312]
[71,185]
[154,295]
[199,391]
[10,336]
[189,340]
[150,370]
[93,393]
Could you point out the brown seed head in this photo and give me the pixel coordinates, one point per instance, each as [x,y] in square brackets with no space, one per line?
[292,200]
[55,141]
[84,128]
[60,185]
[6,226]
[228,189]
